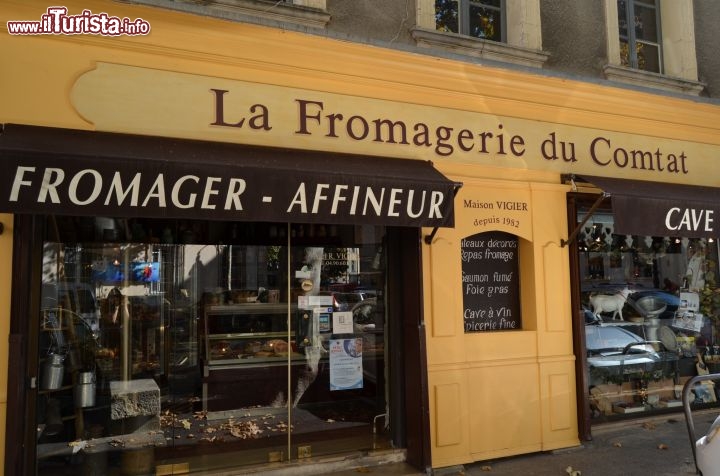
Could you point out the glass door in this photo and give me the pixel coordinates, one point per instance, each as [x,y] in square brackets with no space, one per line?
[339,385]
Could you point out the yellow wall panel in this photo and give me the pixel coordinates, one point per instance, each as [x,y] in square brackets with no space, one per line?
[443,293]
[555,306]
[552,298]
[504,408]
[6,250]
[448,399]
[559,390]
[520,383]
[559,424]
[447,418]
[442,323]
[500,346]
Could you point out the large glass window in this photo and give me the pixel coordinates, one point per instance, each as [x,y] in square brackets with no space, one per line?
[640,43]
[169,345]
[480,19]
[650,307]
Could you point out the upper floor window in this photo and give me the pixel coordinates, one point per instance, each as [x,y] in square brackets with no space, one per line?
[640,42]
[506,31]
[480,19]
[651,43]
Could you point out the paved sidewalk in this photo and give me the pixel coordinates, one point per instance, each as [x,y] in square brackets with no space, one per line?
[657,446]
[654,447]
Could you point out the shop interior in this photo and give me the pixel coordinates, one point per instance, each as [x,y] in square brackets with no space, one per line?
[650,307]
[208,344]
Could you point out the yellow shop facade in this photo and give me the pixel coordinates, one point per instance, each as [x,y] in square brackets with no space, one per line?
[226,255]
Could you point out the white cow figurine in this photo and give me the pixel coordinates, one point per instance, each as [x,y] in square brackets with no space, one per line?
[610,303]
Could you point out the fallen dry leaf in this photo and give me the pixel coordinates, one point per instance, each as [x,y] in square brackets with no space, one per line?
[485,468]
[648,425]
[617,444]
[663,446]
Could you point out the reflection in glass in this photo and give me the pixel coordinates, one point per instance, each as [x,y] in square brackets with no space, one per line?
[479,19]
[639,37]
[197,340]
[648,305]
[446,15]
[648,57]
[485,23]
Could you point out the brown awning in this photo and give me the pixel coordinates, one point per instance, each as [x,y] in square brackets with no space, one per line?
[70,172]
[661,209]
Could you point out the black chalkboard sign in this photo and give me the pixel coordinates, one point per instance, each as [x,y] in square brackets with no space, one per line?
[490,282]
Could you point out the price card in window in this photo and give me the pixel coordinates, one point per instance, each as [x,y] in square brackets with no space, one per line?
[342,323]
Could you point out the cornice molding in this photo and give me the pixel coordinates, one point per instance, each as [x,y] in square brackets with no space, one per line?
[641,78]
[478,48]
[247,10]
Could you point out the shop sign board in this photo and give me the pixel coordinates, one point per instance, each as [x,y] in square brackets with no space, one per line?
[659,209]
[64,172]
[136,100]
[490,282]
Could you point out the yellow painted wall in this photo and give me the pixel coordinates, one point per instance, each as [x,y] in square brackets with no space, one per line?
[36,87]
[501,393]
[492,394]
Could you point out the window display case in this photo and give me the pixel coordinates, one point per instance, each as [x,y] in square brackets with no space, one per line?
[161,349]
[239,335]
[644,303]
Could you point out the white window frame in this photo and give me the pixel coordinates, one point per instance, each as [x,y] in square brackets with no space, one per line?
[522,34]
[679,60]
[632,39]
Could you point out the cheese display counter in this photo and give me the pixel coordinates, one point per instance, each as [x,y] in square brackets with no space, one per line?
[255,341]
[238,335]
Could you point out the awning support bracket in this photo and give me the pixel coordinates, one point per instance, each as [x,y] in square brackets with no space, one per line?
[429,238]
[589,214]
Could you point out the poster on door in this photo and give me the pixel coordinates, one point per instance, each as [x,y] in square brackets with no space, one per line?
[346,368]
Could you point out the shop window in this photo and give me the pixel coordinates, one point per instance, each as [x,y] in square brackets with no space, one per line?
[160,341]
[650,307]
[501,30]
[652,43]
[304,13]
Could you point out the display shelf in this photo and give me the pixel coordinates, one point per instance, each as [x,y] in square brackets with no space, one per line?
[54,390]
[251,347]
[63,333]
[621,324]
[247,334]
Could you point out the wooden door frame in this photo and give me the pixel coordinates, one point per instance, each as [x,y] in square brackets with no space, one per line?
[409,401]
